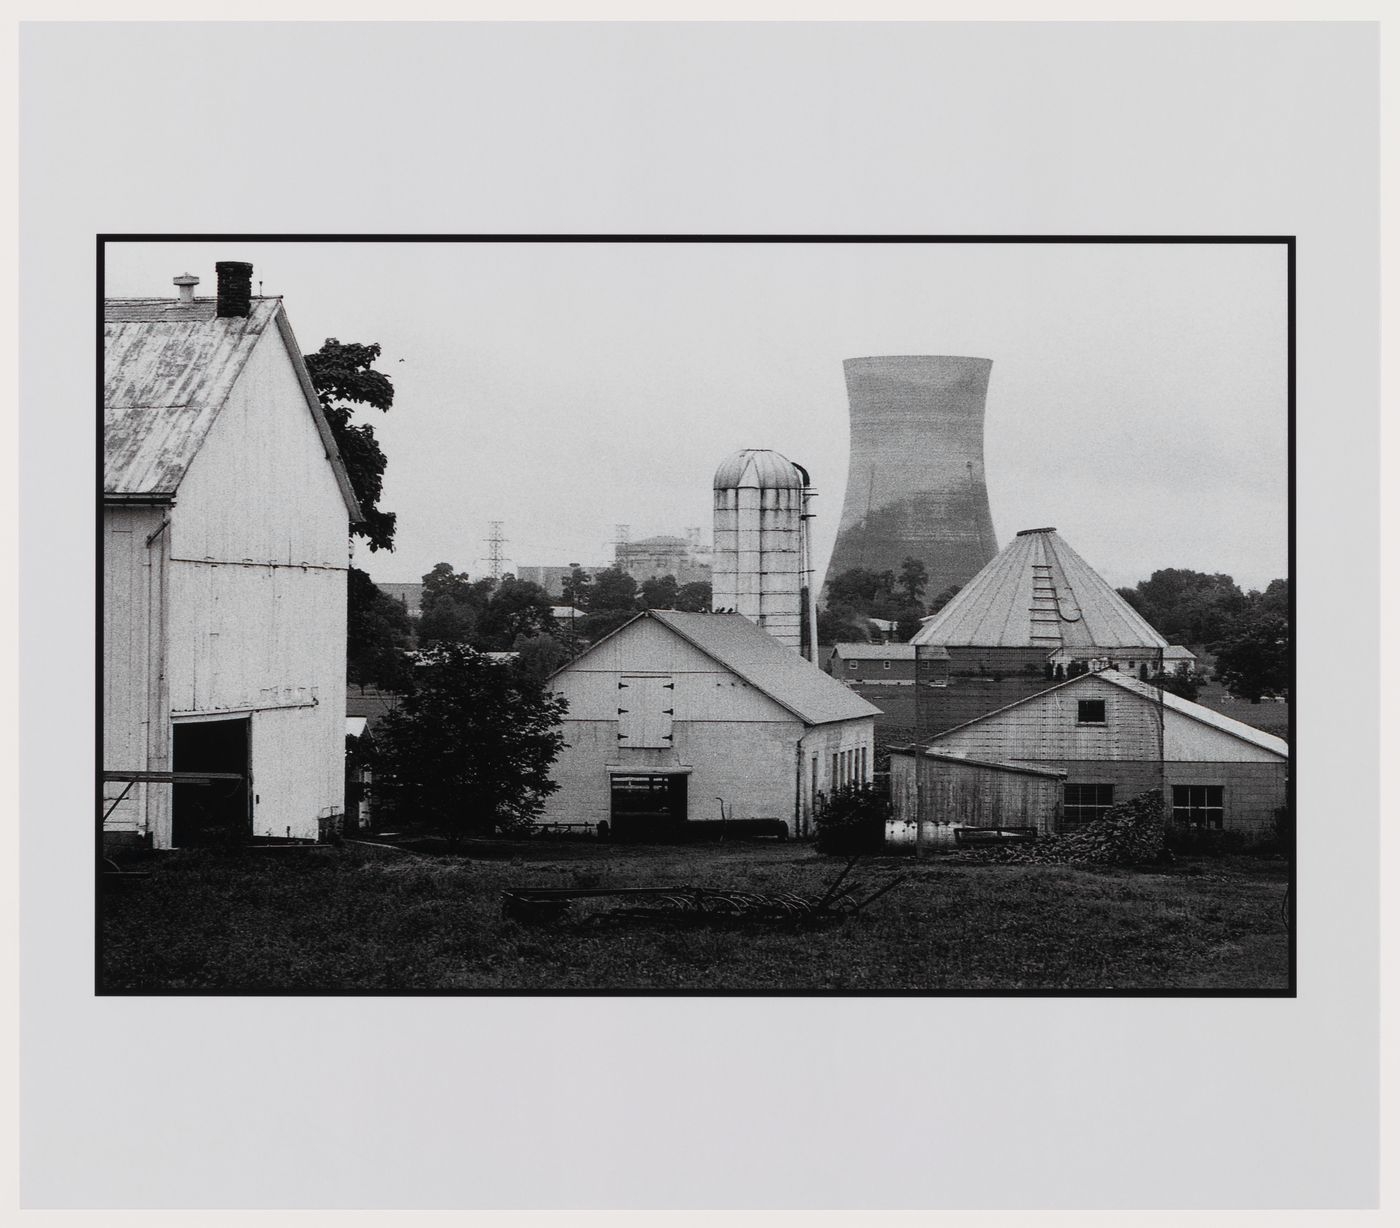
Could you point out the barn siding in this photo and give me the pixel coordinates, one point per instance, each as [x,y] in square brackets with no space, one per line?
[135,733]
[974,795]
[254,604]
[260,489]
[1127,751]
[734,761]
[737,743]
[298,773]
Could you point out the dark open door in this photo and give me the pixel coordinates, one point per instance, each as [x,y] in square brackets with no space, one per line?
[217,813]
[649,808]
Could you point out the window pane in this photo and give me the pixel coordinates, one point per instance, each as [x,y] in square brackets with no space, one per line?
[1091,712]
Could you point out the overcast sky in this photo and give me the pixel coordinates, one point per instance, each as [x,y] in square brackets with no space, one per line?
[1138,396]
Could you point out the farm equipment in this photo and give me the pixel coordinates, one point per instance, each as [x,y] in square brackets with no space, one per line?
[693,905]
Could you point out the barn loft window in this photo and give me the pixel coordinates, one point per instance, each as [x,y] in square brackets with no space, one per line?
[1091,712]
[1199,806]
[1085,803]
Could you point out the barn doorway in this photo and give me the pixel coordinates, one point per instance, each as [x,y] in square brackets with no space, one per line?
[648,808]
[217,813]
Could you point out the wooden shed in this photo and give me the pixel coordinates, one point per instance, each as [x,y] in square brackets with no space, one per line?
[963,792]
[1116,737]
[685,718]
[226,517]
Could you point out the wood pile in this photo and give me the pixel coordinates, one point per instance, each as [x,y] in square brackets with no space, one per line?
[1129,834]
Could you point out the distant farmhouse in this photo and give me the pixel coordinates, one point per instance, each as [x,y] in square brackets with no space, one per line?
[226,517]
[1059,759]
[675,716]
[888,664]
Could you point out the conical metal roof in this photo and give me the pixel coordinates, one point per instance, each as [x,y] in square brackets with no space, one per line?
[1038,593]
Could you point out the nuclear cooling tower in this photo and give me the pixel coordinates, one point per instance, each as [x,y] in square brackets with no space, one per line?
[916,485]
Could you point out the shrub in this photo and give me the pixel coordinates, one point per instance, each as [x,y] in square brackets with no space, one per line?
[853,820]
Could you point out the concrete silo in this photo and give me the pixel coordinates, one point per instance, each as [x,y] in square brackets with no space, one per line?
[761,558]
[916,486]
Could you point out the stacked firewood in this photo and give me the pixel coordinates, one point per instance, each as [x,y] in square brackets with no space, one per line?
[1132,833]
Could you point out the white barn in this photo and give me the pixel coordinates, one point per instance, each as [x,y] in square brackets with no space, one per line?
[674,714]
[226,517]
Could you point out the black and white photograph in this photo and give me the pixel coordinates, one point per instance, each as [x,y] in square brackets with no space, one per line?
[739,616]
[768,613]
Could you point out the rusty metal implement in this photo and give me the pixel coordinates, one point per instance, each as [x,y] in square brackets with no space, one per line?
[688,904]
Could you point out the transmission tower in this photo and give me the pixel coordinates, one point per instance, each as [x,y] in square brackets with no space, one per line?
[622,534]
[495,558]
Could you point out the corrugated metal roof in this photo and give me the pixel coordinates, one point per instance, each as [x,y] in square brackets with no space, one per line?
[758,467]
[1184,707]
[745,648]
[168,370]
[1022,768]
[1038,593]
[782,675]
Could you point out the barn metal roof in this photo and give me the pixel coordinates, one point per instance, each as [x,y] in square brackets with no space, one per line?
[1023,769]
[1184,707]
[755,656]
[1038,593]
[168,370]
[758,467]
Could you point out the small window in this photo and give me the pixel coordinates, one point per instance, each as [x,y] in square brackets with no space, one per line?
[1199,806]
[850,665]
[1085,803]
[1091,712]
[885,664]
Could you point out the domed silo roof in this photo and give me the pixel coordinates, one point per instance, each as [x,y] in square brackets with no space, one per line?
[758,467]
[1038,593]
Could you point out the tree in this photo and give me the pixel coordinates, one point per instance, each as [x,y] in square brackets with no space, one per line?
[452,606]
[659,593]
[913,579]
[538,656]
[1188,607]
[1257,657]
[613,589]
[908,623]
[377,637]
[468,752]
[695,597]
[840,624]
[577,588]
[344,377]
[1179,682]
[944,598]
[515,608]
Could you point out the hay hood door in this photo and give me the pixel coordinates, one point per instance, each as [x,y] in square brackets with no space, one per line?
[646,708]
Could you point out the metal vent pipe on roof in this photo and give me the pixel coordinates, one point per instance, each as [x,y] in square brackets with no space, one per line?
[235,294]
[186,283]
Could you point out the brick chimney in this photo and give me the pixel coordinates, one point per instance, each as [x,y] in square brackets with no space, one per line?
[235,288]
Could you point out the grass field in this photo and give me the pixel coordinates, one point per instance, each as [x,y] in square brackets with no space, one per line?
[363,919]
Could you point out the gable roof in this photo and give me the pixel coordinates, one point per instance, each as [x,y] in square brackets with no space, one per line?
[1183,707]
[744,648]
[168,370]
[1038,593]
